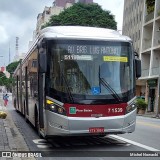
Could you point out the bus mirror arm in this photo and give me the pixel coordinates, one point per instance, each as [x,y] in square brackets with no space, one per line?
[138,67]
[136,54]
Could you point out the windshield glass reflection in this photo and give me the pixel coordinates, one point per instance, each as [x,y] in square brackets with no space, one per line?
[83,67]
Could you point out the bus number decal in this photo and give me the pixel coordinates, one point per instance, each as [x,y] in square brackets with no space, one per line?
[115,110]
[78,57]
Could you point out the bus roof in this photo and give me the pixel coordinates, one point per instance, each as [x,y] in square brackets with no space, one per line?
[82,32]
[78,33]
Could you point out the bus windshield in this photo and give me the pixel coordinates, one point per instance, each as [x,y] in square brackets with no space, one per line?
[78,67]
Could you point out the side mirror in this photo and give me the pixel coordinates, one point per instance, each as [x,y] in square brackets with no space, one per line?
[138,67]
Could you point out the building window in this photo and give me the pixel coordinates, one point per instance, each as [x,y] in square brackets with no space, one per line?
[139,34]
[140,16]
[48,12]
[34,63]
[133,38]
[136,36]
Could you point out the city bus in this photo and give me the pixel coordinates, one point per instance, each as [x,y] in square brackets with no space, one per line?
[78,81]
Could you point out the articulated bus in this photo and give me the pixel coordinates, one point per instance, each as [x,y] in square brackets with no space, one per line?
[78,81]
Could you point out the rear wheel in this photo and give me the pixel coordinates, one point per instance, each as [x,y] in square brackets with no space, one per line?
[25,113]
[14,103]
[37,123]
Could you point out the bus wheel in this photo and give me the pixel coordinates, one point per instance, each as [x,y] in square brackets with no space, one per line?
[37,124]
[25,117]
[14,103]
[25,114]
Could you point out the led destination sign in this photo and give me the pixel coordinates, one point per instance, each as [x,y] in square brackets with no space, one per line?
[96,49]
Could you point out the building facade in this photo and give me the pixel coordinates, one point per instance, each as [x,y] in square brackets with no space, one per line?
[62,3]
[44,17]
[84,1]
[133,21]
[57,7]
[142,24]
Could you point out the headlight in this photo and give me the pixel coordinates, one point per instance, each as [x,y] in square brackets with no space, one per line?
[130,107]
[54,107]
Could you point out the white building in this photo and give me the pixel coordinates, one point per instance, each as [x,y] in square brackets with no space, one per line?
[57,7]
[148,44]
[44,17]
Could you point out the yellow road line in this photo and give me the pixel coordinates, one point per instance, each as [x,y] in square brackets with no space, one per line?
[148,124]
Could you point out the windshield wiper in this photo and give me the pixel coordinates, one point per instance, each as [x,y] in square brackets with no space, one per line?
[107,86]
[68,89]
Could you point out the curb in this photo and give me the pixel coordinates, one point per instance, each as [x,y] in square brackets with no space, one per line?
[11,143]
[15,139]
[149,116]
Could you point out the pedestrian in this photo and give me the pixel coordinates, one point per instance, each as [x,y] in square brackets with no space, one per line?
[5,98]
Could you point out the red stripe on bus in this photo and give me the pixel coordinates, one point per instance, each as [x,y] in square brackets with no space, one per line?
[77,110]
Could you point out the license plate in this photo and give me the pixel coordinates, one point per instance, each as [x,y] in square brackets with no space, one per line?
[96,130]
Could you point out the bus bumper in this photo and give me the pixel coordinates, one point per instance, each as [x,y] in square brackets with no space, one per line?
[58,125]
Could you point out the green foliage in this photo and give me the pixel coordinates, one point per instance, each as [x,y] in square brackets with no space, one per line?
[141,104]
[150,6]
[12,66]
[3,79]
[7,82]
[84,15]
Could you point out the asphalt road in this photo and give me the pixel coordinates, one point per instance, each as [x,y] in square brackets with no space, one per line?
[145,138]
[147,132]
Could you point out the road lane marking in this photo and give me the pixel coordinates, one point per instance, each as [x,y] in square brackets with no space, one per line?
[148,124]
[40,141]
[135,143]
[44,146]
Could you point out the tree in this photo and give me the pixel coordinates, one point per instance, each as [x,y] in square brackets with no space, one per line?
[12,66]
[84,15]
[7,82]
[150,5]
[3,79]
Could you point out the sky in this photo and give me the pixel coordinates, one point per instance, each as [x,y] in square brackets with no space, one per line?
[18,19]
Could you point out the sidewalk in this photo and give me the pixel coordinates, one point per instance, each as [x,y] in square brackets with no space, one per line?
[10,137]
[150,115]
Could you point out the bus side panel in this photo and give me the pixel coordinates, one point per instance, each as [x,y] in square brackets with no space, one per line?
[31,80]
[14,92]
[18,92]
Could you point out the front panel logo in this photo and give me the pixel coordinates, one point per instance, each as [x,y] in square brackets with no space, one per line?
[72,110]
